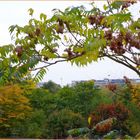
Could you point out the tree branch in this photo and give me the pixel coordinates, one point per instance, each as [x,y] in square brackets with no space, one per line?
[49,64]
[122,62]
[62,60]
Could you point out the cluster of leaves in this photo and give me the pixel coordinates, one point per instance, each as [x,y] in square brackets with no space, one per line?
[128,93]
[134,91]
[111,87]
[14,107]
[49,115]
[39,113]
[51,86]
[60,121]
[85,35]
[105,111]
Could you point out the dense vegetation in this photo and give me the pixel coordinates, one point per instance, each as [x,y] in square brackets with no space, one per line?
[77,35]
[42,113]
[80,110]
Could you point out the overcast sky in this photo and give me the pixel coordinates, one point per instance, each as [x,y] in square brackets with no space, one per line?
[15,12]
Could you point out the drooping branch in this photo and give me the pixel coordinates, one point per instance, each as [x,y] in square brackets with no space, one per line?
[127,58]
[123,63]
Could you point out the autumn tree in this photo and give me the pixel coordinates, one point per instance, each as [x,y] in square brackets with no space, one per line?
[77,35]
[14,107]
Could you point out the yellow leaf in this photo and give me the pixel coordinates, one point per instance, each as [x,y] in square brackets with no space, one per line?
[89,120]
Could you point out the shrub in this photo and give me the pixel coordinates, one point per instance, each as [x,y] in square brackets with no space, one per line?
[38,97]
[31,127]
[60,121]
[129,93]
[35,127]
[133,123]
[105,111]
[81,98]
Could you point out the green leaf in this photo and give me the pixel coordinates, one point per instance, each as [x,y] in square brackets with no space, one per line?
[34,61]
[48,54]
[117,4]
[65,38]
[31,11]
[43,16]
[105,7]
[12,28]
[40,74]
[5,50]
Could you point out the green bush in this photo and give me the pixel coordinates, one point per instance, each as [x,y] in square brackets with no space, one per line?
[60,121]
[31,127]
[133,123]
[51,86]
[81,98]
[125,95]
[38,98]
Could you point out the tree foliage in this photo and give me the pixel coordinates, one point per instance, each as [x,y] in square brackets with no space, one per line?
[85,35]
[51,86]
[60,121]
[38,113]
[14,107]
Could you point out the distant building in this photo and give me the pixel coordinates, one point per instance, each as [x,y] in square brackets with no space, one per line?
[106,81]
[101,82]
[97,83]
[114,81]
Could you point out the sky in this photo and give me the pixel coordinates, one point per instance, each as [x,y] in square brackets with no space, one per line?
[16,12]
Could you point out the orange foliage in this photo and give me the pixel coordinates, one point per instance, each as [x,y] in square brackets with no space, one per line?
[13,104]
[135,91]
[112,87]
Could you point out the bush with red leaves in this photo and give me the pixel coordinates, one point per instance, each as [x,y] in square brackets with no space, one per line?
[105,111]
